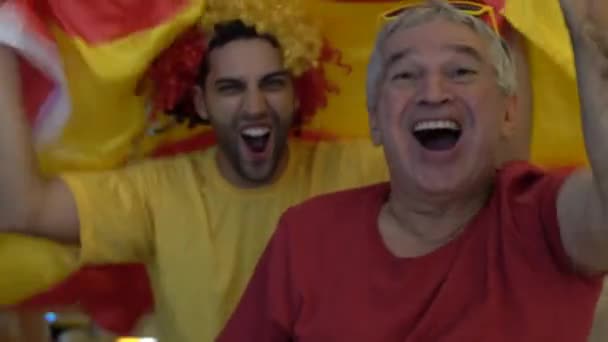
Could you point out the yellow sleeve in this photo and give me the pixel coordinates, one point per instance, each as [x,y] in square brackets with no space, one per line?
[116,220]
[347,164]
[31,265]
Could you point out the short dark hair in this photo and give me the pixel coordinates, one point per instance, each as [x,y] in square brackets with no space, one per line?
[224,33]
[227,32]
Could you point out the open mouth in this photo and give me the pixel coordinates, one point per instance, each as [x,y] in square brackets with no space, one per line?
[256,138]
[437,135]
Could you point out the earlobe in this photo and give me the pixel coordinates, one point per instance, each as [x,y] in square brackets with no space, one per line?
[510,117]
[199,103]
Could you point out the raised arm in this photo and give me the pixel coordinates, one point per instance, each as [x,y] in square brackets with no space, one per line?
[29,204]
[583,200]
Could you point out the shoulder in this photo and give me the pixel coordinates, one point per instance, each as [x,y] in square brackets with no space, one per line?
[318,227]
[341,206]
[141,173]
[344,164]
[176,163]
[526,196]
[356,146]
[521,179]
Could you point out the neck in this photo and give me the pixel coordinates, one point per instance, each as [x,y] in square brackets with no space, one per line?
[229,173]
[434,220]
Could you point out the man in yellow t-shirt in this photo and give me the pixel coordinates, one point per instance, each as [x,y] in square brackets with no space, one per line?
[200,221]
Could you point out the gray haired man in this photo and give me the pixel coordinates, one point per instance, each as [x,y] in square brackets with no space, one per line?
[451,249]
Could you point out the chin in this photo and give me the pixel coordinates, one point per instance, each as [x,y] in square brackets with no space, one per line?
[259,173]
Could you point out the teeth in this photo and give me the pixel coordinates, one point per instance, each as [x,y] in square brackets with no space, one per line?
[255,132]
[436,124]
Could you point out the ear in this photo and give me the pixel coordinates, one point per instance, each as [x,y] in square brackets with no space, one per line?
[296,104]
[374,127]
[510,117]
[199,103]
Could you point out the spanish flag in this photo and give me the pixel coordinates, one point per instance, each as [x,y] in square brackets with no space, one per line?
[83,62]
[557,134]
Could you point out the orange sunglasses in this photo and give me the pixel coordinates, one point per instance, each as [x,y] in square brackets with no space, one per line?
[485,12]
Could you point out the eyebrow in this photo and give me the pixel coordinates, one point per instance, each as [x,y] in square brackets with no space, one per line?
[227,80]
[466,50]
[275,74]
[265,78]
[397,56]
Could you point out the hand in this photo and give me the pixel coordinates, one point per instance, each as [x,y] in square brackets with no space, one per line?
[587,21]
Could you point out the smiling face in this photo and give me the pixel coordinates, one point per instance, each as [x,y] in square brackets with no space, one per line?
[249,99]
[440,113]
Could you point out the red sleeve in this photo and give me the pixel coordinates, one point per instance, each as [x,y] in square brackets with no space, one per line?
[267,309]
[548,211]
[531,194]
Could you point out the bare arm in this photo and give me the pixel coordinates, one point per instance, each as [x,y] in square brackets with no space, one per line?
[583,200]
[29,204]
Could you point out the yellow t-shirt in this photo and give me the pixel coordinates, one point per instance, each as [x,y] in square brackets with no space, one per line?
[199,236]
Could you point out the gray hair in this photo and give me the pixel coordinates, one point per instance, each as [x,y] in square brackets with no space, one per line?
[499,51]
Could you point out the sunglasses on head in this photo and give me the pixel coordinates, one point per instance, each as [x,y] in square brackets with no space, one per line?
[485,12]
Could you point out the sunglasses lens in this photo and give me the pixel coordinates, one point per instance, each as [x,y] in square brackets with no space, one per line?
[465,7]
[394,13]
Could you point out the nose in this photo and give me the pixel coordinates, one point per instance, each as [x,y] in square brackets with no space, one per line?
[255,103]
[433,91]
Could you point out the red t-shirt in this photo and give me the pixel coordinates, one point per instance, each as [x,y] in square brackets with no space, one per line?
[327,275]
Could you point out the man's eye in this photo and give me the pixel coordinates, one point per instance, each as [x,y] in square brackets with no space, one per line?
[276,84]
[462,73]
[228,89]
[404,76]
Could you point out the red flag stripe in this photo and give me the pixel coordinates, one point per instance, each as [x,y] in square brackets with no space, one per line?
[102,21]
[49,109]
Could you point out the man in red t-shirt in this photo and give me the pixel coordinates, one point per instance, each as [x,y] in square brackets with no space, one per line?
[451,249]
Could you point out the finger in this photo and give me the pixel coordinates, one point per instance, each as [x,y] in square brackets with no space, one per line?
[598,37]
[601,38]
[575,13]
[597,12]
[598,9]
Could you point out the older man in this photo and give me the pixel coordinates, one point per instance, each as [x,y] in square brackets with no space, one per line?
[452,249]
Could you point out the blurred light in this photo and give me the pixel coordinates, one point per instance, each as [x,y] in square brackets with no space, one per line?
[136,339]
[50,317]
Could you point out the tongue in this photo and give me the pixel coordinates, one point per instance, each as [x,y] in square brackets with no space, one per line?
[256,144]
[438,139]
[440,143]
